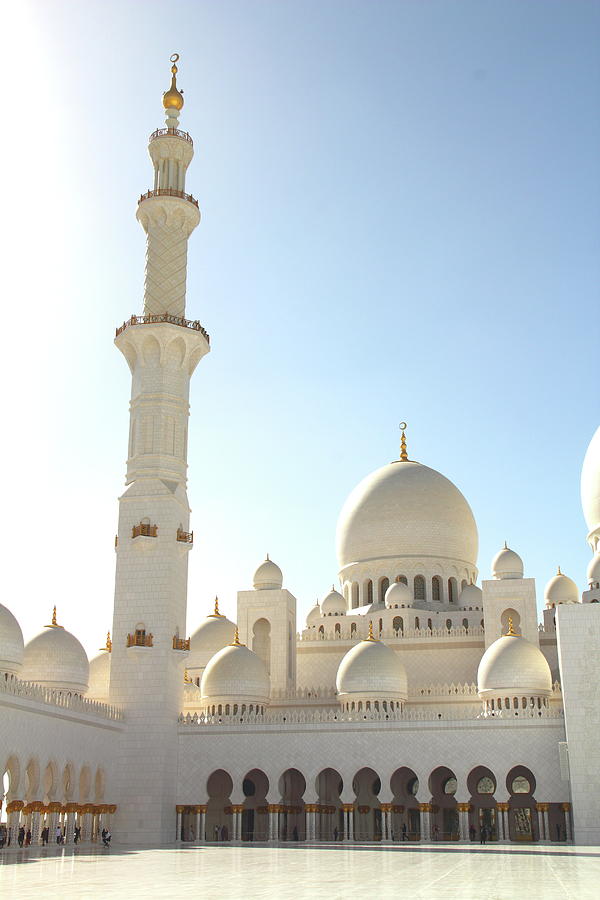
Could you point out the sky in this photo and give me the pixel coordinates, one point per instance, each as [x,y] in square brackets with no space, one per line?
[400,221]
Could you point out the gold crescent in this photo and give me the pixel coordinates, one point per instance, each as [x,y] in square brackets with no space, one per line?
[402,426]
[175,57]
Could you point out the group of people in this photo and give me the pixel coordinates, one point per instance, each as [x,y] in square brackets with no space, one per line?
[24,836]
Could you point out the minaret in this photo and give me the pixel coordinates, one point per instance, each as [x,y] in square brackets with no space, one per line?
[162,349]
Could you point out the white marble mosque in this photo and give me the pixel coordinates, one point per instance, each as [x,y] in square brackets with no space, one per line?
[420,701]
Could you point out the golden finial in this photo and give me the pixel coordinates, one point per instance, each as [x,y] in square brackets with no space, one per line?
[559,572]
[54,623]
[186,677]
[371,636]
[108,646]
[511,632]
[267,559]
[216,614]
[236,638]
[173,99]
[403,453]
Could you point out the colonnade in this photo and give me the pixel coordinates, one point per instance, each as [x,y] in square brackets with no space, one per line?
[35,816]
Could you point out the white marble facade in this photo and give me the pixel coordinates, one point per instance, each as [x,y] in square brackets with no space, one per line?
[412,705]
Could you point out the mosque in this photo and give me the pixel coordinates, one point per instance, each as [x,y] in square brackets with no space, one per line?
[414,704]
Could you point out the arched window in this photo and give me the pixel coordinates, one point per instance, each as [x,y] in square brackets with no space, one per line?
[417,624]
[354,595]
[398,624]
[383,586]
[368,592]
[452,590]
[463,584]
[430,624]
[466,624]
[448,624]
[380,626]
[352,629]
[337,629]
[401,579]
[419,587]
[436,589]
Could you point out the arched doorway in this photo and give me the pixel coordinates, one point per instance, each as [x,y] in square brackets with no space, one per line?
[366,785]
[219,819]
[255,818]
[291,789]
[444,814]
[522,812]
[330,817]
[406,818]
[481,784]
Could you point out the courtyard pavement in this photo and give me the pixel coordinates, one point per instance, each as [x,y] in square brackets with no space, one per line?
[332,871]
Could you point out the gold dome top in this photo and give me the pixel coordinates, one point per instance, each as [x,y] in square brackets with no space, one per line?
[173,99]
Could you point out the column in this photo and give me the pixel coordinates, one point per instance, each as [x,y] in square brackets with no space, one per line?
[546,821]
[541,824]
[386,809]
[425,809]
[502,829]
[272,822]
[351,822]
[179,820]
[463,819]
[567,811]
[237,822]
[310,810]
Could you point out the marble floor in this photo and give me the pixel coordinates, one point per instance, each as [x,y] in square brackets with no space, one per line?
[426,872]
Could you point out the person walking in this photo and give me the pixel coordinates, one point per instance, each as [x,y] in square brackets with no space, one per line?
[106,838]
[21,836]
[45,835]
[58,834]
[77,834]
[28,838]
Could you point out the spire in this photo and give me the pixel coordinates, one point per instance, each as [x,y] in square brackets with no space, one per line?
[108,646]
[505,545]
[216,614]
[511,632]
[236,639]
[371,636]
[559,572]
[403,453]
[54,623]
[186,677]
[173,98]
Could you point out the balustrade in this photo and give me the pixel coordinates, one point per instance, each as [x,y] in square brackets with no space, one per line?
[160,318]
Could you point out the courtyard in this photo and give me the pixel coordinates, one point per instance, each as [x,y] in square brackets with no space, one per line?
[491,872]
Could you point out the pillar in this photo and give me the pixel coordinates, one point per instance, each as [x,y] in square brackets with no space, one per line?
[310,809]
[567,811]
[425,809]
[178,826]
[502,821]
[386,809]
[542,821]
[237,811]
[273,835]
[463,820]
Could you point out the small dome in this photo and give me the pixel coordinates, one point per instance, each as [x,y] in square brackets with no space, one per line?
[561,589]
[99,680]
[512,665]
[333,604]
[314,615]
[507,564]
[398,594]
[372,669]
[236,673]
[11,642]
[593,572]
[55,658]
[471,595]
[214,633]
[268,576]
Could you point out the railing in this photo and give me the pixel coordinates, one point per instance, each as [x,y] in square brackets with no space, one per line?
[181,643]
[163,317]
[185,537]
[29,690]
[346,633]
[169,192]
[140,639]
[171,132]
[143,530]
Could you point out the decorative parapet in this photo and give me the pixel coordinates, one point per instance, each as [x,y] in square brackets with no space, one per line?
[140,639]
[185,537]
[315,717]
[387,634]
[144,530]
[181,643]
[444,690]
[10,684]
[163,318]
[308,693]
[168,192]
[171,132]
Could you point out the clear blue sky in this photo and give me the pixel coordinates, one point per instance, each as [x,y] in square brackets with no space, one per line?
[400,221]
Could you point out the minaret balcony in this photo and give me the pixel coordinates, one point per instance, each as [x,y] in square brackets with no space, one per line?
[185,537]
[144,530]
[169,192]
[167,318]
[140,639]
[171,132]
[181,643]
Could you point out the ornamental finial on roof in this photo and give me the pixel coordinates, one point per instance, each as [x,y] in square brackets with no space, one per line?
[108,646]
[236,639]
[511,632]
[54,623]
[403,453]
[173,98]
[371,636]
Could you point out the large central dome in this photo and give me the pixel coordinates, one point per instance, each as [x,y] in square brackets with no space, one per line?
[405,509]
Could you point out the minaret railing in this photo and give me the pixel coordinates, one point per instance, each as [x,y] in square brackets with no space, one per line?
[144,530]
[185,537]
[168,192]
[171,132]
[159,318]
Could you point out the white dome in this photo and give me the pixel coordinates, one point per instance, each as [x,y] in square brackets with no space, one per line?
[406,509]
[372,669]
[561,589]
[398,594]
[11,642]
[513,666]
[507,564]
[333,604]
[99,679]
[593,571]
[56,659]
[236,673]
[590,484]
[214,633]
[471,595]
[314,615]
[268,576]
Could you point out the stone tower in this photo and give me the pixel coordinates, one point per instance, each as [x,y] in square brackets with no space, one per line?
[162,349]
